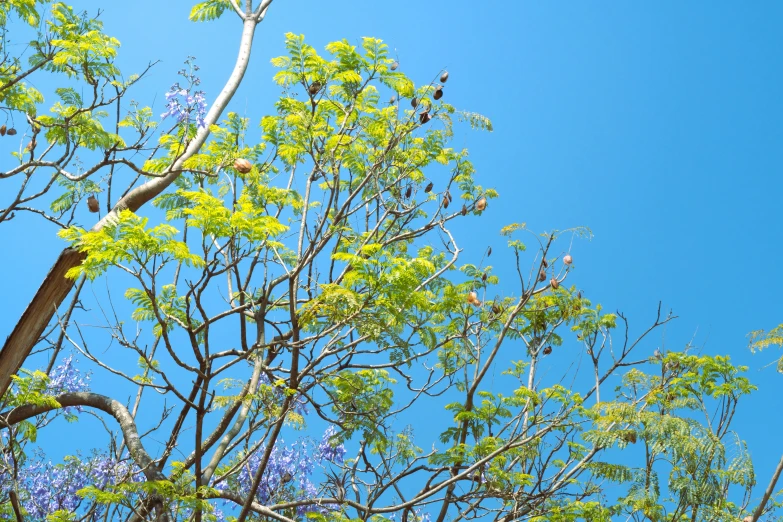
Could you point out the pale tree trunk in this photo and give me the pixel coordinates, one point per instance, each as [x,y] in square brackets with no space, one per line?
[55,287]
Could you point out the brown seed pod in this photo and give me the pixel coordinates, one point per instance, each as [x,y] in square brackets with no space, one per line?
[444,77]
[2,130]
[286,478]
[242,165]
[464,211]
[438,93]
[542,276]
[92,204]
[392,100]
[314,88]
[446,202]
[481,204]
[472,297]
[414,102]
[11,132]
[544,262]
[547,350]
[424,117]
[30,146]
[408,191]
[484,277]
[567,259]
[554,283]
[489,251]
[496,309]
[579,294]
[394,66]
[428,188]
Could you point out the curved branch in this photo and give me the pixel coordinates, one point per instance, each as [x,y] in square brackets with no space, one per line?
[100,402]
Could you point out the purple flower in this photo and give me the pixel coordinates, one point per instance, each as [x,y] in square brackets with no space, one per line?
[181,104]
[328,449]
[67,378]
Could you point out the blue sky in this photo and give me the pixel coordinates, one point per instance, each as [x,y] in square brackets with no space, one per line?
[656,125]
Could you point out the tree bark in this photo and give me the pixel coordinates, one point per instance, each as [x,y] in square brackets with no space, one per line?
[56,286]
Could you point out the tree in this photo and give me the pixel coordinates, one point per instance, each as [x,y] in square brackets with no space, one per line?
[311,280]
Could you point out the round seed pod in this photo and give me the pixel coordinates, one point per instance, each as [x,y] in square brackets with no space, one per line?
[544,262]
[11,132]
[631,437]
[314,88]
[496,309]
[408,191]
[567,259]
[414,102]
[242,165]
[481,204]
[424,117]
[428,188]
[464,211]
[92,204]
[30,146]
[446,202]
[286,478]
[554,283]
[447,195]
[394,66]
[438,93]
[444,77]
[542,276]
[472,297]
[2,130]
[547,350]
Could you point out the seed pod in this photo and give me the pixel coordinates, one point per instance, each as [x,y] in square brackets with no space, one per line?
[2,130]
[489,251]
[472,297]
[286,478]
[446,202]
[11,132]
[414,102]
[631,437]
[554,283]
[542,276]
[314,88]
[392,100]
[579,294]
[242,165]
[547,350]
[484,277]
[447,195]
[424,117]
[544,262]
[30,146]
[496,309]
[444,77]
[438,93]
[92,204]
[464,211]
[394,66]
[567,259]
[428,188]
[481,204]
[408,191]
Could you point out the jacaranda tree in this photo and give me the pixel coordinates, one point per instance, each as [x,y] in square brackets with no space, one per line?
[302,338]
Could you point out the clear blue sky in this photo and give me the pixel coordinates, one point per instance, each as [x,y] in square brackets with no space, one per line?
[658,125]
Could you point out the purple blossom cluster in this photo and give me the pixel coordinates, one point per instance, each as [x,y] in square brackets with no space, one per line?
[185,103]
[289,472]
[45,487]
[66,378]
[181,104]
